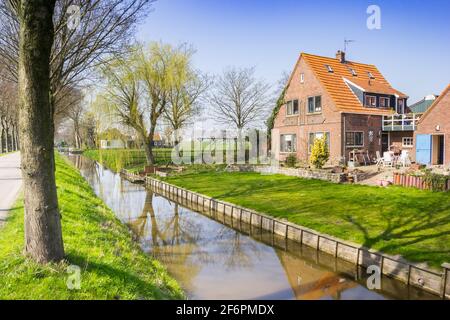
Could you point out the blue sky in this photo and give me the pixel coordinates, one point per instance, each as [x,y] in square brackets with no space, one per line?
[412,49]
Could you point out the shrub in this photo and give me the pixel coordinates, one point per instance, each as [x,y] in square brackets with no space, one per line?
[436,182]
[320,153]
[291,160]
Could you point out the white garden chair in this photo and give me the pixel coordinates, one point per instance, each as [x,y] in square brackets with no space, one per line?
[379,160]
[405,160]
[388,159]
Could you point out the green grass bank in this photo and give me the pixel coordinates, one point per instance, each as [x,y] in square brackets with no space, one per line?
[112,265]
[400,221]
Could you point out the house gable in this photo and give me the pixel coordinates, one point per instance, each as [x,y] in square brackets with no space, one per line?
[437,115]
[301,91]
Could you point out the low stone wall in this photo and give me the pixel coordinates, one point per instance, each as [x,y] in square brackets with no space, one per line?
[303,173]
[411,274]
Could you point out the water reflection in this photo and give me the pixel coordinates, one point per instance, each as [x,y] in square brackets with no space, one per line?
[214,257]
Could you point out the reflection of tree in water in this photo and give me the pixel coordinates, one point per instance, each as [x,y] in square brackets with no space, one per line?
[173,240]
[237,251]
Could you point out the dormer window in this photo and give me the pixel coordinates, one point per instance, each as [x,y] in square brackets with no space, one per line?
[400,106]
[329,68]
[371,101]
[384,102]
[370,75]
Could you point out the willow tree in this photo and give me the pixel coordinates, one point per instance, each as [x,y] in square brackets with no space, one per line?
[139,87]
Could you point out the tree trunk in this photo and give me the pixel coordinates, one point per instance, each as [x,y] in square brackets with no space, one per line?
[43,235]
[7,137]
[1,137]
[13,138]
[148,147]
[149,152]
[17,137]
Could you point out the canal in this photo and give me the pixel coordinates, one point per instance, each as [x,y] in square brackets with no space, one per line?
[213,258]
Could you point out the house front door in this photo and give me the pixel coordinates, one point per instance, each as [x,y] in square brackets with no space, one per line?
[423,148]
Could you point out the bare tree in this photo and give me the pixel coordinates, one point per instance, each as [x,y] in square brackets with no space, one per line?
[75,113]
[105,27]
[186,95]
[239,98]
[8,116]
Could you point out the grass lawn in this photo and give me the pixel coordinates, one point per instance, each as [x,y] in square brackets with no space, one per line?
[396,220]
[112,265]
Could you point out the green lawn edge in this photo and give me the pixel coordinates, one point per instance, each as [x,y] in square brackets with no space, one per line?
[112,265]
[412,223]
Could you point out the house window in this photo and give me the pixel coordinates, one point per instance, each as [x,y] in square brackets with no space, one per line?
[353,72]
[401,106]
[370,75]
[371,101]
[384,102]
[408,142]
[315,104]
[288,143]
[354,139]
[329,68]
[302,77]
[292,107]
[317,135]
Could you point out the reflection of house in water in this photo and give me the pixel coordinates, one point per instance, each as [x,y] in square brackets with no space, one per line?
[310,282]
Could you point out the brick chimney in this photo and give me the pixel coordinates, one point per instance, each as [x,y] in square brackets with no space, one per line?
[340,55]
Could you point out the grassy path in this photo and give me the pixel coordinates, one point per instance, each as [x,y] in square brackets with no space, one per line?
[112,265]
[398,221]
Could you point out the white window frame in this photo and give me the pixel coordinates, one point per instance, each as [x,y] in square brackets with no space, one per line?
[370,75]
[289,108]
[293,140]
[402,107]
[315,106]
[354,146]
[329,68]
[292,113]
[365,101]
[302,78]
[388,105]
[408,145]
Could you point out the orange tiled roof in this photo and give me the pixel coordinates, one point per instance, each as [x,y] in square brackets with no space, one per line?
[340,92]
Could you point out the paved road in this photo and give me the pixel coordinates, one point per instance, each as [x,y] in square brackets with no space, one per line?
[10,183]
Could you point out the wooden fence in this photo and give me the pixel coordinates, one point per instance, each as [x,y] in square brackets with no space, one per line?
[405,180]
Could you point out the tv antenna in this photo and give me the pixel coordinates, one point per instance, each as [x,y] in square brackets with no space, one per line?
[346,43]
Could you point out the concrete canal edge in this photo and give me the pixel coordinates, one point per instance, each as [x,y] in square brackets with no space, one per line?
[424,278]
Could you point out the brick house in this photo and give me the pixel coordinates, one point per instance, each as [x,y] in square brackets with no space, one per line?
[433,132]
[351,103]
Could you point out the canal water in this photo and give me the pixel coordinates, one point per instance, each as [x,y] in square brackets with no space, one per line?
[216,258]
